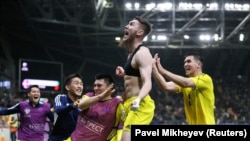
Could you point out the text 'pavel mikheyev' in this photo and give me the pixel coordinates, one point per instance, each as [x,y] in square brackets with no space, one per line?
[168,132]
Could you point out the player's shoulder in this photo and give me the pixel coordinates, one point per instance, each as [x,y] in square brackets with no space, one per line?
[60,96]
[88,95]
[143,51]
[144,48]
[206,75]
[116,99]
[24,101]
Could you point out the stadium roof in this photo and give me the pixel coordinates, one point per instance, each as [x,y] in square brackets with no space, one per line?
[83,32]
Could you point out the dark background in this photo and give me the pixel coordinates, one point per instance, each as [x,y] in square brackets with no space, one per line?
[81,35]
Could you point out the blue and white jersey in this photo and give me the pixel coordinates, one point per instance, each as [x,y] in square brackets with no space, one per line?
[66,117]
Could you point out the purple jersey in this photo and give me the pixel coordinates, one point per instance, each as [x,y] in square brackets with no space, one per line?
[96,122]
[32,121]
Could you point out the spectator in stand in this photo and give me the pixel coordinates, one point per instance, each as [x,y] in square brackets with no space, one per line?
[13,126]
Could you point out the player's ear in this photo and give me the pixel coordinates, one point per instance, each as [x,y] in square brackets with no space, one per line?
[67,87]
[140,32]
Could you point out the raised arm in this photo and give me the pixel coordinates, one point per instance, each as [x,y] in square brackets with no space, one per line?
[160,80]
[12,110]
[177,79]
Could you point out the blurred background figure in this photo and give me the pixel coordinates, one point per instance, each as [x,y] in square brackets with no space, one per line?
[13,126]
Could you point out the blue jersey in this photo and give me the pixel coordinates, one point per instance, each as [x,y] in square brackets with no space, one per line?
[32,119]
[66,120]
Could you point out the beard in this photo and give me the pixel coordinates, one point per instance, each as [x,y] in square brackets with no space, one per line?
[126,42]
[122,43]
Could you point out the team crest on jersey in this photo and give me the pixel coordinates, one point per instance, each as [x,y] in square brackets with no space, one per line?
[27,112]
[123,115]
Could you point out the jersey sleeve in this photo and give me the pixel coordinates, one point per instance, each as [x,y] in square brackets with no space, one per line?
[61,106]
[12,110]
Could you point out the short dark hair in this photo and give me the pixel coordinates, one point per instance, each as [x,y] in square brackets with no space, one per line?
[33,86]
[147,27]
[196,55]
[68,78]
[107,78]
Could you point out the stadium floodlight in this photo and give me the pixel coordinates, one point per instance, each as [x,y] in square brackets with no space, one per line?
[205,37]
[150,6]
[128,5]
[153,37]
[246,7]
[137,6]
[197,6]
[186,37]
[164,6]
[216,37]
[161,38]
[182,6]
[241,37]
[117,39]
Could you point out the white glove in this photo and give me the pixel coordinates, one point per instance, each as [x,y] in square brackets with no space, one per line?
[135,104]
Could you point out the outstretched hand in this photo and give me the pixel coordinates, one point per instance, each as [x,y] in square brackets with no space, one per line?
[157,63]
[109,91]
[75,105]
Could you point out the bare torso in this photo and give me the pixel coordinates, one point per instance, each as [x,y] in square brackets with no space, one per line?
[139,85]
[132,86]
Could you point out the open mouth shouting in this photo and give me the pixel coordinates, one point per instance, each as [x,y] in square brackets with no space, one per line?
[126,33]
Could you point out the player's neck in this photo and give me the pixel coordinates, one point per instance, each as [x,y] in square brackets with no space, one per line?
[106,98]
[73,98]
[133,46]
[197,73]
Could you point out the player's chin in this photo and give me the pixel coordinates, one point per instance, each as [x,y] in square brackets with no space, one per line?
[187,72]
[78,93]
[125,37]
[35,100]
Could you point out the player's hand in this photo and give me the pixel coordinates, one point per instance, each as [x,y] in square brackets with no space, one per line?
[75,105]
[119,71]
[154,67]
[135,104]
[109,91]
[158,63]
[52,109]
